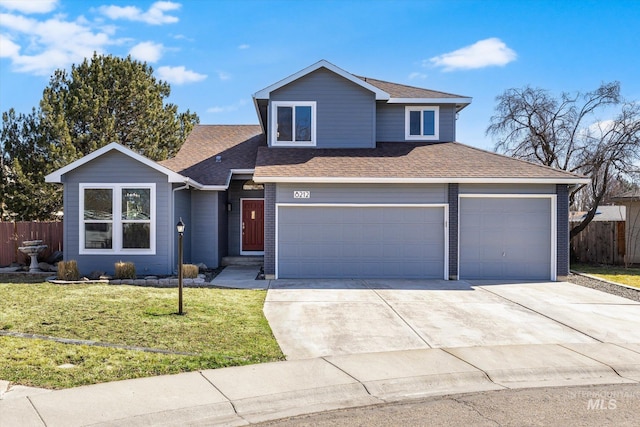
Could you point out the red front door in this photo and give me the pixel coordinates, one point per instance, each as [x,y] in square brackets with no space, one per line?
[253,225]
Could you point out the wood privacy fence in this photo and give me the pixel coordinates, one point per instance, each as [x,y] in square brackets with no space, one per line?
[12,234]
[602,242]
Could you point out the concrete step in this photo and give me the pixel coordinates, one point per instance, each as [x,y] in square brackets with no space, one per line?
[257,260]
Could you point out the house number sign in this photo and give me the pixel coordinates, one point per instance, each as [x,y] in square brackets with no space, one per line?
[298,194]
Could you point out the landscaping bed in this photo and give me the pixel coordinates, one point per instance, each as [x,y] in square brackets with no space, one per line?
[221,327]
[630,277]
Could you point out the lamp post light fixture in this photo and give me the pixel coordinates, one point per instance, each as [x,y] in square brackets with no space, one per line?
[180,228]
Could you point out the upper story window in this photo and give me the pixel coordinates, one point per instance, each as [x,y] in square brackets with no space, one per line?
[422,123]
[117,219]
[293,123]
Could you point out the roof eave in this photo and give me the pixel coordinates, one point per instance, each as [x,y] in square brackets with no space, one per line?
[443,180]
[460,103]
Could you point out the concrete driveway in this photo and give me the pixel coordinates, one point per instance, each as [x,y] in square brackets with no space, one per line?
[314,318]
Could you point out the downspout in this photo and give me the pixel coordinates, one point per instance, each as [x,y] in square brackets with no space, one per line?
[186,186]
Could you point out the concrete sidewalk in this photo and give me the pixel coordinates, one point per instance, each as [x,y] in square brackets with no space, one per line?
[249,394]
[240,277]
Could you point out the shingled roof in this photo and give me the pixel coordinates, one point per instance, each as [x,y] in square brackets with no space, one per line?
[401,162]
[243,148]
[397,90]
[236,145]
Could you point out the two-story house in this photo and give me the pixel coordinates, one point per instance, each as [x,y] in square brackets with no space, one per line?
[344,177]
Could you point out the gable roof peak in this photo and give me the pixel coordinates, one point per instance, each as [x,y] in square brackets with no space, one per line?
[56,176]
[379,93]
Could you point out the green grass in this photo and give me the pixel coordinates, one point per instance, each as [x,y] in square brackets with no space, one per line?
[221,327]
[617,274]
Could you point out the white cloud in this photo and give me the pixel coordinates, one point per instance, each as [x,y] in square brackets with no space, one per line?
[179,75]
[223,75]
[147,51]
[228,108]
[155,15]
[29,6]
[8,48]
[39,47]
[481,54]
[244,46]
[416,75]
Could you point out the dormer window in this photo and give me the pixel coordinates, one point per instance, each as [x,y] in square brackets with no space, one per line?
[293,123]
[422,123]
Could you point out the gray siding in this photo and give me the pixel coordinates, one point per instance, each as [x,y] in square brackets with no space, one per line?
[345,114]
[115,167]
[235,193]
[223,220]
[507,189]
[363,193]
[390,121]
[204,223]
[182,208]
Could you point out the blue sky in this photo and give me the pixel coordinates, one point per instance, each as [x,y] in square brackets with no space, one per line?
[217,53]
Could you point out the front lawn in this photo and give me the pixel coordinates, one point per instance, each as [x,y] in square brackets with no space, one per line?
[221,328]
[617,274]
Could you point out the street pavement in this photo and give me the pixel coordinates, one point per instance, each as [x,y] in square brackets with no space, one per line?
[585,406]
[449,344]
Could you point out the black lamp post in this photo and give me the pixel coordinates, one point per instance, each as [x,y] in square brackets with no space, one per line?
[180,228]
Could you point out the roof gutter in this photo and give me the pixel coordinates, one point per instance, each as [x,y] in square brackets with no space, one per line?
[444,180]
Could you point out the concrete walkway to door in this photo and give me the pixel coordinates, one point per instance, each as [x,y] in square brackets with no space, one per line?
[316,318]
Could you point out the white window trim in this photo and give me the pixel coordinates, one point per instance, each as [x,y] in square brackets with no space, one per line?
[116,244]
[274,123]
[407,123]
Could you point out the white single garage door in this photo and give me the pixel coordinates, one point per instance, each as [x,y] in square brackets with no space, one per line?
[506,238]
[354,241]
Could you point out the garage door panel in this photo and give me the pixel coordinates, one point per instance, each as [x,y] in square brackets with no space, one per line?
[505,238]
[373,242]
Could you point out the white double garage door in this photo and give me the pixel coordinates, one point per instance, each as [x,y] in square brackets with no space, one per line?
[499,237]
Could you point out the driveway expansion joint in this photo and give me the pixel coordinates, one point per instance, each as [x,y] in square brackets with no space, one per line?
[366,284]
[36,410]
[539,313]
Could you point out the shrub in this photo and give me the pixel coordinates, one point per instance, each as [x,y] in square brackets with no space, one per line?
[189,271]
[68,270]
[125,270]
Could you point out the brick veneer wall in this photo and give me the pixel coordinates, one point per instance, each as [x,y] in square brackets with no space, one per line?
[562,226]
[269,230]
[453,231]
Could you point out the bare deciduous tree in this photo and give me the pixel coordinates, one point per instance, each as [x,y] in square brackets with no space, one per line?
[566,133]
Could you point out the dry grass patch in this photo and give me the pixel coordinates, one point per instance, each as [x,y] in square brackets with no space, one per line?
[622,275]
